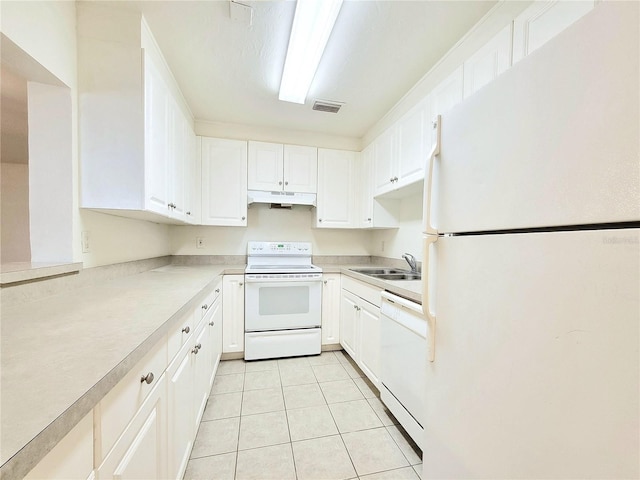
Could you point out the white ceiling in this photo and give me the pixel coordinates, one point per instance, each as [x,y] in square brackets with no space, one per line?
[230,72]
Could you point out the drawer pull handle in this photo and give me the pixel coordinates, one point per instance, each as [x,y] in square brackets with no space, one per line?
[186,329]
[148,378]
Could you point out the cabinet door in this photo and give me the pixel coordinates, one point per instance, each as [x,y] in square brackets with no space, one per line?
[300,169]
[232,313]
[365,206]
[141,451]
[181,415]
[331,309]
[265,166]
[202,370]
[337,189]
[192,181]
[542,21]
[412,143]
[369,347]
[384,161]
[224,182]
[488,62]
[156,135]
[349,323]
[215,338]
[176,162]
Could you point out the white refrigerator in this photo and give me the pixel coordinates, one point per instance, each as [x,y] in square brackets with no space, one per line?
[531,265]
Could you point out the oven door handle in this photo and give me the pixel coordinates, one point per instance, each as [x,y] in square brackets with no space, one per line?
[249,279]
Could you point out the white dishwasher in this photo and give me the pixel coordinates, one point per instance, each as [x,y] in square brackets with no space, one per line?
[403,362]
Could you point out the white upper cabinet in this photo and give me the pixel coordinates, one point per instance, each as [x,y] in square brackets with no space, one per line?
[134,126]
[277,167]
[400,153]
[300,169]
[337,189]
[224,182]
[488,62]
[542,21]
[373,212]
[444,97]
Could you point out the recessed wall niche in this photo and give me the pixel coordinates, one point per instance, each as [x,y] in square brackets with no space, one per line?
[35,161]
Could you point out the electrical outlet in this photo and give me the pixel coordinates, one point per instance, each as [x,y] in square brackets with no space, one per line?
[382,246]
[199,242]
[86,248]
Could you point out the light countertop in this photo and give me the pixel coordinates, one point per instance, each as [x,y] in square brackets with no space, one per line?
[61,354]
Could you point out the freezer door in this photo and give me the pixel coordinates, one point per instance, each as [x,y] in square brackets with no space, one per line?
[536,371]
[552,141]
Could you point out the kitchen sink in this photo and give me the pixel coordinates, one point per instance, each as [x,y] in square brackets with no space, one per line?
[388,273]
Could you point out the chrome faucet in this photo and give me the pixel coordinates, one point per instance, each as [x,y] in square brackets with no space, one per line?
[411,260]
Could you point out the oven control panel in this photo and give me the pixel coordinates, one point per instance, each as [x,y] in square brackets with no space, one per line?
[279,248]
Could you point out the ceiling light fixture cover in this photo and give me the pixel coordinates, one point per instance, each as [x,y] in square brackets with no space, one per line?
[312,25]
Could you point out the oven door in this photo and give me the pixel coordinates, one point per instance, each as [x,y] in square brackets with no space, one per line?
[282,303]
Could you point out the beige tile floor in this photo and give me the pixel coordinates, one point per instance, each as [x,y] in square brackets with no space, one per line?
[306,418]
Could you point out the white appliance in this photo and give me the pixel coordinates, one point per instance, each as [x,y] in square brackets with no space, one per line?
[531,265]
[283,297]
[403,341]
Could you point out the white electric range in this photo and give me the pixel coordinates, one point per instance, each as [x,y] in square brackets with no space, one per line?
[283,297]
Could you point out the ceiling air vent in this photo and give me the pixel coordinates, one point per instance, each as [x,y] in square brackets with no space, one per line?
[324,106]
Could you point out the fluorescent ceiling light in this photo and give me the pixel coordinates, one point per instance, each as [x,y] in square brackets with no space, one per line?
[312,25]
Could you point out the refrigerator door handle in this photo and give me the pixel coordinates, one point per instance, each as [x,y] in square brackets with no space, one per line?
[426,298]
[428,228]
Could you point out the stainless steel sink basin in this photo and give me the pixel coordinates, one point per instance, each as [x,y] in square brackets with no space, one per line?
[379,271]
[388,273]
[398,276]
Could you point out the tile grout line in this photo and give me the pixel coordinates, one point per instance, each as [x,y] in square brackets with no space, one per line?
[235,470]
[286,417]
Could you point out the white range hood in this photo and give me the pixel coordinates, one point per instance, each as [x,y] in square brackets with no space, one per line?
[281,198]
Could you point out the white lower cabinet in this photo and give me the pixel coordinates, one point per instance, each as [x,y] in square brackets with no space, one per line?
[202,368]
[360,326]
[233,313]
[330,309]
[214,324]
[180,380]
[141,450]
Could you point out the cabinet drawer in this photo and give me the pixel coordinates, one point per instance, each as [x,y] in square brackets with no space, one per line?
[119,406]
[208,301]
[362,290]
[180,332]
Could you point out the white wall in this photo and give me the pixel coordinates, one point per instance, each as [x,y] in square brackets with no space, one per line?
[407,238]
[47,32]
[269,225]
[14,192]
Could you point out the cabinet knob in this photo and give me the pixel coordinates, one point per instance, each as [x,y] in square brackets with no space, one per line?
[205,306]
[194,351]
[243,218]
[391,179]
[148,378]
[188,213]
[217,290]
[280,183]
[211,324]
[198,346]
[369,219]
[286,183]
[434,125]
[240,284]
[355,306]
[395,179]
[320,220]
[325,282]
[186,329]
